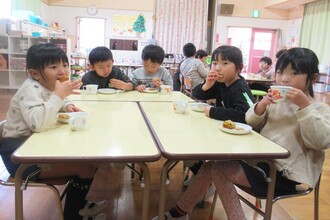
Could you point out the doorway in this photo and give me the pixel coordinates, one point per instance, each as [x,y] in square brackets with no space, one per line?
[90,33]
[254,44]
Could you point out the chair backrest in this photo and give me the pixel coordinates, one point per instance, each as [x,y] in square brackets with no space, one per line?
[2,123]
[186,85]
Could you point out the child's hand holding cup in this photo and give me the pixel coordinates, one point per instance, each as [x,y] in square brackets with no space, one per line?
[278,93]
[180,106]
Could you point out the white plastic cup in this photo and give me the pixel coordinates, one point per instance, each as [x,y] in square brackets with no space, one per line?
[78,121]
[165,89]
[91,88]
[279,92]
[180,106]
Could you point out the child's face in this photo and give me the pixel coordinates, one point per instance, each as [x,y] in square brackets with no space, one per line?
[103,69]
[288,78]
[203,59]
[150,67]
[226,71]
[263,65]
[52,73]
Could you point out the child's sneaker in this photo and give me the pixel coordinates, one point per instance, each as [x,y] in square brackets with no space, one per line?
[168,216]
[93,208]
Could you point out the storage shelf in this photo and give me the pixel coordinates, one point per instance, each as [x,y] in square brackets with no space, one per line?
[14,50]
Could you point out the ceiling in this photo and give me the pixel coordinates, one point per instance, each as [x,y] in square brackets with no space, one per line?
[289,4]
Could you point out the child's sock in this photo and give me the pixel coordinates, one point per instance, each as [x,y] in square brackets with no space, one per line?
[177,212]
[75,198]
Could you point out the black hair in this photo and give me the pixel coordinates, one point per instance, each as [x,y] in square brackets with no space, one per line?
[189,50]
[99,54]
[200,54]
[154,53]
[303,61]
[230,53]
[280,52]
[39,56]
[266,60]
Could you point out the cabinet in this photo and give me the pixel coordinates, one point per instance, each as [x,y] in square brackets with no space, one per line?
[13,51]
[78,67]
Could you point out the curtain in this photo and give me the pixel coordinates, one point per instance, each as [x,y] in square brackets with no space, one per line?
[179,22]
[315,30]
[28,5]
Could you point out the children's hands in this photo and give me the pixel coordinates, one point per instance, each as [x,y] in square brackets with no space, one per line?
[118,84]
[140,88]
[262,105]
[211,78]
[157,82]
[298,97]
[67,88]
[72,108]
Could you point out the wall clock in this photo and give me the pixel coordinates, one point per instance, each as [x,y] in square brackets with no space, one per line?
[92,10]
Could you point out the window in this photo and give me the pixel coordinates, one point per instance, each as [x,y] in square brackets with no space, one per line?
[90,33]
[5,8]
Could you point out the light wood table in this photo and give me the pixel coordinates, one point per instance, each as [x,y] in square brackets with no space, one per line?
[193,136]
[255,78]
[116,133]
[132,96]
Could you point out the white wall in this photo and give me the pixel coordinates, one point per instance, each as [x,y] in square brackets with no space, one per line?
[66,17]
[225,21]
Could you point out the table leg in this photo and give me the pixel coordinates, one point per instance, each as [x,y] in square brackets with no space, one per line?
[270,190]
[146,191]
[162,199]
[18,191]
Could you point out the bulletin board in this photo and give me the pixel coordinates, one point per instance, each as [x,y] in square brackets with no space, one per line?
[122,25]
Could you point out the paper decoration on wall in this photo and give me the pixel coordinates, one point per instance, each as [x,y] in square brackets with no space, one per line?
[122,25]
[139,25]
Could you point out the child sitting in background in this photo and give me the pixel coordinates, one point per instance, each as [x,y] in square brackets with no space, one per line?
[192,67]
[35,104]
[265,64]
[201,55]
[265,71]
[103,73]
[294,123]
[151,75]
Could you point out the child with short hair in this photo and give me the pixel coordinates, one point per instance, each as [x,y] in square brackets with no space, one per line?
[103,73]
[192,67]
[151,75]
[304,118]
[34,105]
[224,83]
[201,55]
[265,64]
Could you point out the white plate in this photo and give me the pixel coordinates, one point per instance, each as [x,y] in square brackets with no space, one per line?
[198,107]
[246,128]
[107,91]
[151,90]
[68,114]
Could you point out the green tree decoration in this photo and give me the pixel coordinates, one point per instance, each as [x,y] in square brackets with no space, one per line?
[138,25]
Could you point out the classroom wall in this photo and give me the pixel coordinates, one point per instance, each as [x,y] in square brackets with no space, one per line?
[134,5]
[244,9]
[67,20]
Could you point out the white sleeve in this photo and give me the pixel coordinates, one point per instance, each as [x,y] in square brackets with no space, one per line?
[314,123]
[36,112]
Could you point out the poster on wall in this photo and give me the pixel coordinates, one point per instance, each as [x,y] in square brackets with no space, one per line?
[128,25]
